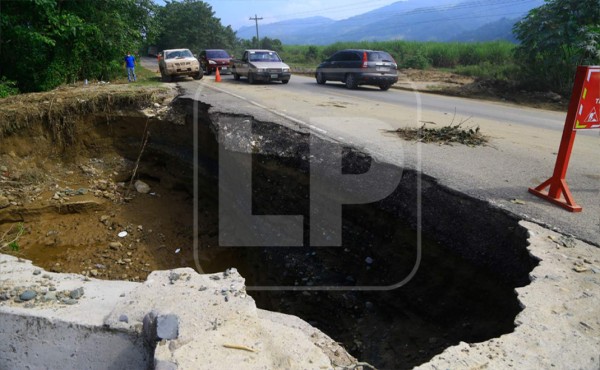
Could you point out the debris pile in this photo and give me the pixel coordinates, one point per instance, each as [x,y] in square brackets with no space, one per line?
[445,135]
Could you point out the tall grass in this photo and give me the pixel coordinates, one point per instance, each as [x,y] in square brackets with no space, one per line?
[481,59]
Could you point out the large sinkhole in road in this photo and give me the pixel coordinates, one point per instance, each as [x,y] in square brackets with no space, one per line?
[472,254]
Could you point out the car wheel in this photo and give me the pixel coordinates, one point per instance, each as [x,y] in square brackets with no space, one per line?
[165,78]
[351,82]
[208,71]
[199,75]
[285,81]
[384,87]
[250,78]
[320,79]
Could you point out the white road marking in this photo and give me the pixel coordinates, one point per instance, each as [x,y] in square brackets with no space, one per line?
[276,112]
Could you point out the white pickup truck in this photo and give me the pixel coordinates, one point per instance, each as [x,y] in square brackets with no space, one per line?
[178,62]
[260,65]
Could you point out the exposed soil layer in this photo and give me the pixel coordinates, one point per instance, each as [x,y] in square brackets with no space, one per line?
[73,197]
[71,188]
[448,83]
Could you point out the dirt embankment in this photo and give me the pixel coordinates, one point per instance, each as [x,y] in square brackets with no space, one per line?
[447,83]
[65,183]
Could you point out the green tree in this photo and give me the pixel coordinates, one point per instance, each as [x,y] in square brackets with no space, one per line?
[271,44]
[312,53]
[556,38]
[191,24]
[46,43]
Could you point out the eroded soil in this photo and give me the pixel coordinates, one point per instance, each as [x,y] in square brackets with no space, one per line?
[72,214]
[72,194]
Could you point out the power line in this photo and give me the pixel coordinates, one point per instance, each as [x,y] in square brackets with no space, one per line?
[256,19]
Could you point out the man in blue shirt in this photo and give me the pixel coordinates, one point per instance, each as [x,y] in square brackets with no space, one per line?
[130,64]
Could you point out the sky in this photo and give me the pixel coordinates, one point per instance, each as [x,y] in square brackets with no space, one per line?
[236,13]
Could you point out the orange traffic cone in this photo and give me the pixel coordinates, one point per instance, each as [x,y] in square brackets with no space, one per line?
[218,76]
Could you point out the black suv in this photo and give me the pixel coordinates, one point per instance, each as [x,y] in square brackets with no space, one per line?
[359,67]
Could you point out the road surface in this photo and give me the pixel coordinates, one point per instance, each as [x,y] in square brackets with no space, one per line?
[521,152]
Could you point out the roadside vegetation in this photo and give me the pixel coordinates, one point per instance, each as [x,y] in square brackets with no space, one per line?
[9,240]
[554,39]
[47,43]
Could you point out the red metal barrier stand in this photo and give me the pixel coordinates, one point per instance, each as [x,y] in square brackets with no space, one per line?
[583,88]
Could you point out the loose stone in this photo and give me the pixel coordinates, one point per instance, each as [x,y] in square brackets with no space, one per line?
[141,187]
[28,295]
[115,245]
[76,293]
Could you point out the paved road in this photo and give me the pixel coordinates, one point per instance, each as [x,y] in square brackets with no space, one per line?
[521,153]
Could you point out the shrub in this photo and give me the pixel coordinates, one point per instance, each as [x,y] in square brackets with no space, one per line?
[417,61]
[7,87]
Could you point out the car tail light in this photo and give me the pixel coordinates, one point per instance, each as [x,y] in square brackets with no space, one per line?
[364,60]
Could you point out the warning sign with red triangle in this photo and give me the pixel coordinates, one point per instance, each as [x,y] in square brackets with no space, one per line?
[592,117]
[589,102]
[582,114]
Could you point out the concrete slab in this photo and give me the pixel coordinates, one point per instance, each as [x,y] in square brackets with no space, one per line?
[177,319]
[559,326]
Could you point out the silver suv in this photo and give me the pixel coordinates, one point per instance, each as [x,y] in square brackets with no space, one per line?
[179,62]
[357,67]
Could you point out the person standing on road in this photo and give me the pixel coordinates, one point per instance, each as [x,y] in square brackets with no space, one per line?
[130,65]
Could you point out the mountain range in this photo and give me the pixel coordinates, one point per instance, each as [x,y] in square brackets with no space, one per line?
[417,20]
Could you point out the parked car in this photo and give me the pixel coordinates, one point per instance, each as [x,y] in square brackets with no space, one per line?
[211,59]
[260,65]
[179,62]
[152,51]
[357,67]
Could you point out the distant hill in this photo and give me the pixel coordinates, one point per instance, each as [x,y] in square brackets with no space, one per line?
[293,29]
[419,20]
[498,30]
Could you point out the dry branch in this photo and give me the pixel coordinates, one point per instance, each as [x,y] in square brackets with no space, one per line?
[470,136]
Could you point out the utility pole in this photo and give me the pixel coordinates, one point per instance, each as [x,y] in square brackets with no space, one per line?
[256,19]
